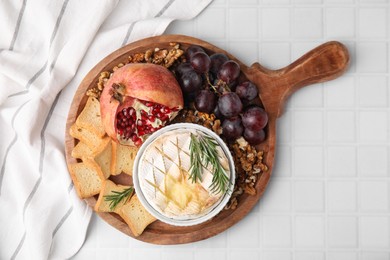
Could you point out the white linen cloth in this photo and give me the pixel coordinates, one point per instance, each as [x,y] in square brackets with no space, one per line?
[46,48]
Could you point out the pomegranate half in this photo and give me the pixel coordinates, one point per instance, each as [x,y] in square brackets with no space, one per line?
[137,100]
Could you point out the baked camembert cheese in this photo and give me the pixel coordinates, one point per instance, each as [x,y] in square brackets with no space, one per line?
[164,171]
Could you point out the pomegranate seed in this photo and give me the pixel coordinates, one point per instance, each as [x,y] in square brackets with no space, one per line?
[164,118]
[155,110]
[152,118]
[149,104]
[131,111]
[134,137]
[138,142]
[165,110]
[141,122]
[141,133]
[152,129]
[124,112]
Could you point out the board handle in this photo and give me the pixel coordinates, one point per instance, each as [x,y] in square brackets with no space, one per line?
[326,62]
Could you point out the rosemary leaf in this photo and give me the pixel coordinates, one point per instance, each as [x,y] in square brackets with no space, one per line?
[118,196]
[195,160]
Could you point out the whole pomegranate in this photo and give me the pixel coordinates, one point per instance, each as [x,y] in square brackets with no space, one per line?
[137,100]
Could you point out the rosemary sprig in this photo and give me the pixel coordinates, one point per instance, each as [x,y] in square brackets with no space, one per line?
[195,160]
[203,152]
[118,196]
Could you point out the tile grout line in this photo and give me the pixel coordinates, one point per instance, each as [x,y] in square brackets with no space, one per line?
[325,154]
[325,147]
[357,134]
[292,140]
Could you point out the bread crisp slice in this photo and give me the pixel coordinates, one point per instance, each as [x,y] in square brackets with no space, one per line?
[90,117]
[136,216]
[87,178]
[81,150]
[103,157]
[123,158]
[84,135]
[108,188]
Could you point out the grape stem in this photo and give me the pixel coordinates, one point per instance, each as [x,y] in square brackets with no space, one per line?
[224,85]
[211,85]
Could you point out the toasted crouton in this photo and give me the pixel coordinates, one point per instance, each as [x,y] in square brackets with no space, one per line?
[136,216]
[89,138]
[123,158]
[90,117]
[109,188]
[81,150]
[87,178]
[103,157]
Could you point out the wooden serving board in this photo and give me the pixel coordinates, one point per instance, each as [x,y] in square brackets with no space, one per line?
[323,63]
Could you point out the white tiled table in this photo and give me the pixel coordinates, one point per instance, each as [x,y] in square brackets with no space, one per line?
[329,195]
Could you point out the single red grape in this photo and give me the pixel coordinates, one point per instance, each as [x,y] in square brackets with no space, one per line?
[254,137]
[183,68]
[190,82]
[254,118]
[229,71]
[229,104]
[247,91]
[205,101]
[200,61]
[232,128]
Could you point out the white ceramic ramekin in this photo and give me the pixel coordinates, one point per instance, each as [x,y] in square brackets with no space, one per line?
[144,199]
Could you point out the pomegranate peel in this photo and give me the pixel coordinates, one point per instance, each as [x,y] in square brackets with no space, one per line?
[138,100]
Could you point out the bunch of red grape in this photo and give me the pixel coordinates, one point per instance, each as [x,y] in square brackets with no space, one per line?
[212,83]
